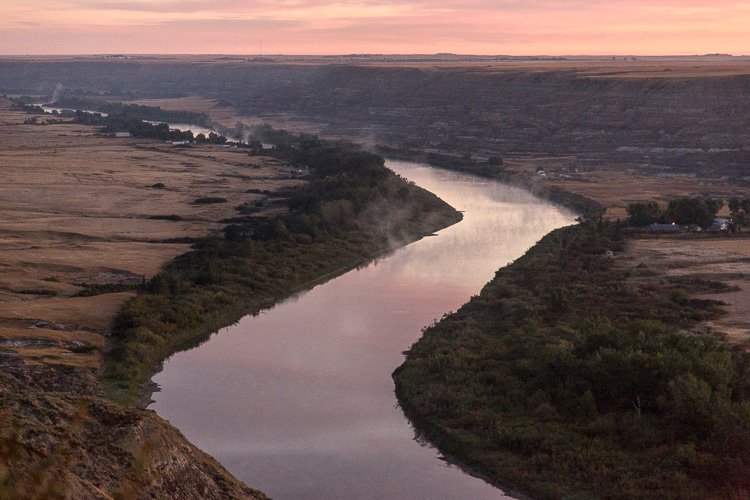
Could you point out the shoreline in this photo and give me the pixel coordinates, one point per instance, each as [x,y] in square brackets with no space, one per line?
[540,443]
[582,205]
[223,279]
[149,387]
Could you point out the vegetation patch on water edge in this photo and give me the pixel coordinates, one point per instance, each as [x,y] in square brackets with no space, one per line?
[152,113]
[565,380]
[493,169]
[352,209]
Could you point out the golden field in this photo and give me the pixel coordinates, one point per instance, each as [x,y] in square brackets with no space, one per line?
[77,210]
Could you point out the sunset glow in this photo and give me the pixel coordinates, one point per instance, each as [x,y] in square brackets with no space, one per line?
[515,27]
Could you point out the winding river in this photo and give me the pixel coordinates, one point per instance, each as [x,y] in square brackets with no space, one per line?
[298,401]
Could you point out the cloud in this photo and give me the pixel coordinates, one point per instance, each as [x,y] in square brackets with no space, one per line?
[343,26]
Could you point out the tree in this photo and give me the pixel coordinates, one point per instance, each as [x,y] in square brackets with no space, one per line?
[643,214]
[738,211]
[308,141]
[693,211]
[215,138]
[734,205]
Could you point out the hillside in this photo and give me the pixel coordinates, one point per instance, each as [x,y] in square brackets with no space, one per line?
[665,117]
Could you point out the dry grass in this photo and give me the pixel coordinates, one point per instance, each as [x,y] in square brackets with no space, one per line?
[228,116]
[741,247]
[76,209]
[724,260]
[597,66]
[57,356]
[51,334]
[94,312]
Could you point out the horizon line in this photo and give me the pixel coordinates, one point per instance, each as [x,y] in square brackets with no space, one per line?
[379,54]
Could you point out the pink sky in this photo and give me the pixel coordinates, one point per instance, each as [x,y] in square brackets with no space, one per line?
[516,27]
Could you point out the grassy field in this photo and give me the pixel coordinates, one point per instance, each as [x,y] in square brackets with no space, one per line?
[77,210]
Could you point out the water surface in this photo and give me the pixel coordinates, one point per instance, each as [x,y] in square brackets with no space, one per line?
[299,401]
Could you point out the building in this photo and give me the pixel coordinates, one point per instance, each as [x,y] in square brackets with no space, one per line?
[663,228]
[719,224]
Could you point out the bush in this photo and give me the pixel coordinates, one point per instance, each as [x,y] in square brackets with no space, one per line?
[206,200]
[560,380]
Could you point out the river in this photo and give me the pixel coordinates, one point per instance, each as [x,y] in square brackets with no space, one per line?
[299,402]
[196,129]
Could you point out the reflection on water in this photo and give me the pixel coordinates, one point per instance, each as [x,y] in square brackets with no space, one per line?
[298,401]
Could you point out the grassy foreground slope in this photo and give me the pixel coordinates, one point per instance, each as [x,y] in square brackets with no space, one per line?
[564,379]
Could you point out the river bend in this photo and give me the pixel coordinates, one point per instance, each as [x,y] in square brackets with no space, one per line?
[299,402]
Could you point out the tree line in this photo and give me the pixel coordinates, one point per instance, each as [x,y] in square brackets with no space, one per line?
[149,113]
[685,211]
[113,123]
[566,380]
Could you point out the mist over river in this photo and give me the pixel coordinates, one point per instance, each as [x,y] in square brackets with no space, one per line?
[299,402]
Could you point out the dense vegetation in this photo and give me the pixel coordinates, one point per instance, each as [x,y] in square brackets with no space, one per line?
[150,113]
[133,119]
[739,211]
[566,380]
[136,127]
[352,209]
[695,211]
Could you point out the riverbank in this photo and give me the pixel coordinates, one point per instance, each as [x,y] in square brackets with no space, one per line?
[79,239]
[571,375]
[351,210]
[320,363]
[586,206]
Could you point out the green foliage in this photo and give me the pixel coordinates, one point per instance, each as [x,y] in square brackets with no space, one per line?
[90,290]
[280,138]
[693,211]
[33,109]
[698,211]
[213,138]
[643,214]
[172,217]
[560,379]
[133,125]
[739,211]
[35,291]
[142,112]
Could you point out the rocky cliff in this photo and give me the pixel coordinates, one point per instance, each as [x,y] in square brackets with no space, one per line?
[63,439]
